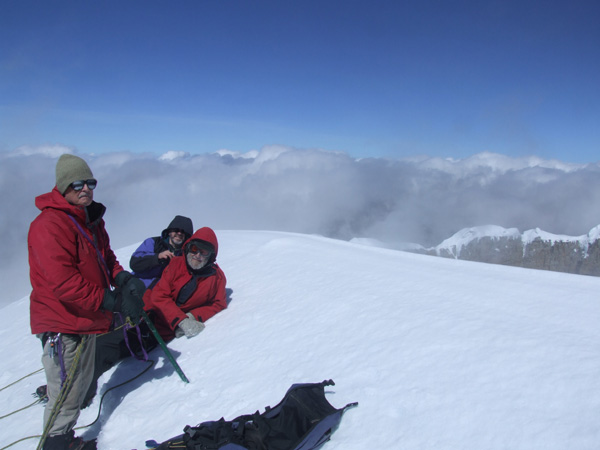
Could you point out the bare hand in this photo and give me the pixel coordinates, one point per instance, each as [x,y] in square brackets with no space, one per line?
[166,255]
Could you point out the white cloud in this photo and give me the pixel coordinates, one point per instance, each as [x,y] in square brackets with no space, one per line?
[45,150]
[172,154]
[308,191]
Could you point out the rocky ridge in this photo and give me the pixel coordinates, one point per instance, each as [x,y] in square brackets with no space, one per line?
[534,249]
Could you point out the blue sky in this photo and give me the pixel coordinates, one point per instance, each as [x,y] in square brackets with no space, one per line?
[378,78]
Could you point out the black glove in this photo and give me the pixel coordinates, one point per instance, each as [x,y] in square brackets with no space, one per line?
[122,278]
[125,302]
[132,306]
[112,300]
[134,286]
[132,290]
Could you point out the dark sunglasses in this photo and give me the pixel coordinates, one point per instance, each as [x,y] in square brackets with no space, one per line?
[176,230]
[78,185]
[194,249]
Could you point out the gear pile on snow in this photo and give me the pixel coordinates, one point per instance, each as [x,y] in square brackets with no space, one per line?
[303,420]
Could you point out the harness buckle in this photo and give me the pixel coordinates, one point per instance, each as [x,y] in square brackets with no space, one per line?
[53,349]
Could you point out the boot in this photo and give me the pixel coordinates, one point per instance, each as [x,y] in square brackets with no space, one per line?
[68,442]
[41,394]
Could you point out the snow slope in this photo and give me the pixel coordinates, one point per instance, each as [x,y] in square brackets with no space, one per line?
[439,353]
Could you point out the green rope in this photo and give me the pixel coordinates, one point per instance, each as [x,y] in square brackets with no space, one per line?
[21,379]
[110,389]
[62,396]
[151,363]
[41,369]
[39,400]
[21,440]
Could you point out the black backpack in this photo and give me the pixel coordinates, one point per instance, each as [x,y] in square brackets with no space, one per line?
[303,420]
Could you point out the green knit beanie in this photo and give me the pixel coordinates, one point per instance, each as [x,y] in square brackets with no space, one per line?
[71,168]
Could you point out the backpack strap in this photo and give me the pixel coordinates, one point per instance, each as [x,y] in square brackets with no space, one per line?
[349,405]
[252,429]
[101,260]
[209,435]
[128,327]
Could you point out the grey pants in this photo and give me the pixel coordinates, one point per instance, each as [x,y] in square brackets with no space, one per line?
[82,378]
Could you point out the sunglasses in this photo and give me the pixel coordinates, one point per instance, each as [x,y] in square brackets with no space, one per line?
[194,249]
[177,231]
[78,185]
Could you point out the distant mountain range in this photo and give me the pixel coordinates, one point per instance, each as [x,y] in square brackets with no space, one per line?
[534,249]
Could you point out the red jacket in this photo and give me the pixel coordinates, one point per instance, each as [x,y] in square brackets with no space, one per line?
[66,275]
[208,299]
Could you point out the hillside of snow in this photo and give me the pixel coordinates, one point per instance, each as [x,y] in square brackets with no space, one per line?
[439,353]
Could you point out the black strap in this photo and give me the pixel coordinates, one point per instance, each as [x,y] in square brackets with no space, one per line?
[101,261]
[185,293]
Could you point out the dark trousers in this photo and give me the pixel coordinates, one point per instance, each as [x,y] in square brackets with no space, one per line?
[112,347]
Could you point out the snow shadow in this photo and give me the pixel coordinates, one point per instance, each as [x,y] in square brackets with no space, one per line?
[128,376]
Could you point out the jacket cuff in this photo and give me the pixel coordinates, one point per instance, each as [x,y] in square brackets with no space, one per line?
[176,321]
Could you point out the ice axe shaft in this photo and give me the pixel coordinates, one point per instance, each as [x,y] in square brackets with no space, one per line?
[162,344]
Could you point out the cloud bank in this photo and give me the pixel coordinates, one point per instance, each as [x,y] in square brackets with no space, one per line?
[419,200]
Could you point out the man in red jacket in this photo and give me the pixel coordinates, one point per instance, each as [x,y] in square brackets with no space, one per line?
[191,289]
[73,271]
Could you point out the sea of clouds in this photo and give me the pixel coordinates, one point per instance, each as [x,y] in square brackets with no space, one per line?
[396,201]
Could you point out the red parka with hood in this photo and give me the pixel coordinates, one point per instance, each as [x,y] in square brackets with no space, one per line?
[208,298]
[67,275]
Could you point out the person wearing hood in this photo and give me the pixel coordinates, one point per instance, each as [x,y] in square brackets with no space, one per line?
[147,263]
[152,256]
[191,289]
[77,285]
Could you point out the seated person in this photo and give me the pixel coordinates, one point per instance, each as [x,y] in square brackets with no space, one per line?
[153,255]
[191,289]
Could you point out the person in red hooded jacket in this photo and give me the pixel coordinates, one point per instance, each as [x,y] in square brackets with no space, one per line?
[73,273]
[191,289]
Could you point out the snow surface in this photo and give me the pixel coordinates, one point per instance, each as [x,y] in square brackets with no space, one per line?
[439,353]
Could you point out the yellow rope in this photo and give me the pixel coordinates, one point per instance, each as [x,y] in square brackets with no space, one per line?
[21,409]
[151,363]
[21,379]
[21,440]
[66,387]
[64,390]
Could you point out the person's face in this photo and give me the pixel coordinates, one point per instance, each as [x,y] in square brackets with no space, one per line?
[82,197]
[176,237]
[197,258]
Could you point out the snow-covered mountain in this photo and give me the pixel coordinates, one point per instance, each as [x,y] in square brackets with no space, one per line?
[439,353]
[534,249]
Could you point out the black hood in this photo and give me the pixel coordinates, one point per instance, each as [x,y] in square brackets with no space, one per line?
[180,223]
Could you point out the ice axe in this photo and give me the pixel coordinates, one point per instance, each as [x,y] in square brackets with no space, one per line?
[162,344]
